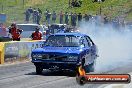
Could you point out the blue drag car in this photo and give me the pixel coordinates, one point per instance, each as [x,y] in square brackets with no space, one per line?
[65,51]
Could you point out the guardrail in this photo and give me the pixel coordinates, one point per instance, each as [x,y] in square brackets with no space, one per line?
[17,50]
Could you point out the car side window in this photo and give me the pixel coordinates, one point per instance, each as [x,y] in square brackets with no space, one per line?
[89,41]
[84,42]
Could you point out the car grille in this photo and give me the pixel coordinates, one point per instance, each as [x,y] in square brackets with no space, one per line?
[54,57]
[45,56]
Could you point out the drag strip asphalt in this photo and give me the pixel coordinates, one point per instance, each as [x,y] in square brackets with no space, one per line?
[23,76]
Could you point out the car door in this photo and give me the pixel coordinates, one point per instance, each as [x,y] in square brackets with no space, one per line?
[93,48]
[87,56]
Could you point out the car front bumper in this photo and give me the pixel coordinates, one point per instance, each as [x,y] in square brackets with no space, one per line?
[57,65]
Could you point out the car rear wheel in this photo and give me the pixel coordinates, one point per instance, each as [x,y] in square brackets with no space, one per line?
[39,70]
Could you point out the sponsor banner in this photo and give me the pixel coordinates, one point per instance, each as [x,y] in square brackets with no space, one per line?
[11,51]
[3,18]
[20,50]
[104,78]
[34,45]
[2,30]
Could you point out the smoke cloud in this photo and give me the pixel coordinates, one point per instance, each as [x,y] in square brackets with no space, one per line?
[114,45]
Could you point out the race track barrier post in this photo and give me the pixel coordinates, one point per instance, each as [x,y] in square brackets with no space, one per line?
[1,52]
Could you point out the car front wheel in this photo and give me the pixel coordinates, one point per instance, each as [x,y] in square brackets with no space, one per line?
[39,70]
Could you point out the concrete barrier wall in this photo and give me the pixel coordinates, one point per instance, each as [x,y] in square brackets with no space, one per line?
[17,51]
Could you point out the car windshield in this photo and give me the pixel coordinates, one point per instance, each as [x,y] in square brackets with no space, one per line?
[27,27]
[63,41]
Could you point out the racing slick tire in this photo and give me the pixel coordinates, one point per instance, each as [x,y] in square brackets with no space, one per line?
[39,70]
[80,80]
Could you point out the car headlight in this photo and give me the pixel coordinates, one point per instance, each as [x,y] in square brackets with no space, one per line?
[37,56]
[71,58]
[34,55]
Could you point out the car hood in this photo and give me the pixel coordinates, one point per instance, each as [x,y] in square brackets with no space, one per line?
[64,50]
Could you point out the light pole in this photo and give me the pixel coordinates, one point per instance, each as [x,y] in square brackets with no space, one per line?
[2,7]
[23,3]
[69,2]
[100,8]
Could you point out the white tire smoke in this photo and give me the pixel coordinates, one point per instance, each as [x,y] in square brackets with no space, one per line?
[114,45]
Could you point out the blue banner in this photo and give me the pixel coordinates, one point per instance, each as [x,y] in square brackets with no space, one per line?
[3,18]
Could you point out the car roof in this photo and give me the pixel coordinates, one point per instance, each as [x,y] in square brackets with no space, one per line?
[30,24]
[59,24]
[71,33]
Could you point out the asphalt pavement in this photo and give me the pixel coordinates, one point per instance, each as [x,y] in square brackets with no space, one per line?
[23,75]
